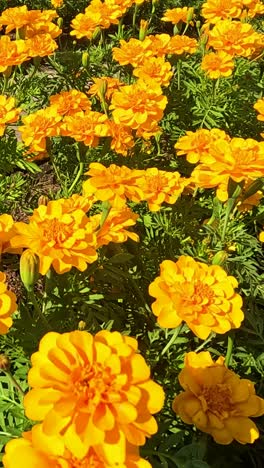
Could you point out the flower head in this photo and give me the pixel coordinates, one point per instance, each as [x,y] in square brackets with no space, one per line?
[7,305]
[104,87]
[116,226]
[179,45]
[217,401]
[215,10]
[70,102]
[7,231]
[201,295]
[12,52]
[87,127]
[154,69]
[92,390]
[177,15]
[41,45]
[60,236]
[196,145]
[8,112]
[217,64]
[38,126]
[133,52]
[121,138]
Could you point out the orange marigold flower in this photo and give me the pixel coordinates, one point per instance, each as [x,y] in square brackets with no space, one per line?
[217,401]
[84,25]
[115,227]
[234,38]
[19,17]
[121,138]
[159,44]
[42,27]
[12,52]
[38,449]
[70,102]
[217,64]
[61,237]
[176,15]
[196,145]
[7,305]
[133,52]
[8,112]
[94,390]
[201,295]
[104,87]
[161,186]
[57,3]
[114,184]
[7,231]
[38,126]
[41,45]
[254,8]
[138,106]
[154,69]
[215,10]
[87,127]
[240,159]
[182,44]
[259,106]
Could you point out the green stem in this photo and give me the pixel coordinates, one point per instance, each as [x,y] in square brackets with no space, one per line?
[230,344]
[38,310]
[80,170]
[179,75]
[174,337]
[229,207]
[135,17]
[15,383]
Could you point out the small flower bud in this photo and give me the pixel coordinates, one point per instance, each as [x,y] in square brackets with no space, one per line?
[29,269]
[60,22]
[4,362]
[85,59]
[81,325]
[143,30]
[219,258]
[190,15]
[43,200]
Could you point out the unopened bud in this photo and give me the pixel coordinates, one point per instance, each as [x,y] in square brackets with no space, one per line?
[143,29]
[81,325]
[190,14]
[43,200]
[219,258]
[60,22]
[4,362]
[85,59]
[29,269]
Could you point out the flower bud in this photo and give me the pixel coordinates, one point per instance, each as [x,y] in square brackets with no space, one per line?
[143,30]
[85,59]
[190,15]
[29,269]
[81,325]
[4,362]
[219,258]
[43,200]
[60,22]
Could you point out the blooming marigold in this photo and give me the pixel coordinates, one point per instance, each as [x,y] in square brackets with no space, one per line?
[177,15]
[19,17]
[217,401]
[159,44]
[41,45]
[133,52]
[115,227]
[43,27]
[7,305]
[87,127]
[138,106]
[114,184]
[182,44]
[259,106]
[217,64]
[38,126]
[201,295]
[59,236]
[70,102]
[196,145]
[154,69]
[57,3]
[8,112]
[121,138]
[215,10]
[94,390]
[12,52]
[84,25]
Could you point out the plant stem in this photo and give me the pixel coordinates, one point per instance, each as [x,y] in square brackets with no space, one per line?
[230,343]
[38,310]
[174,337]
[15,383]
[229,207]
[80,170]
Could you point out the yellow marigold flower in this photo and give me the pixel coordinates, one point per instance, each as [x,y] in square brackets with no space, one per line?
[97,15]
[104,87]
[61,237]
[215,10]
[41,45]
[159,44]
[38,126]
[19,17]
[7,305]
[201,295]
[114,184]
[87,127]
[78,202]
[259,106]
[182,44]
[94,390]
[7,231]
[177,15]
[43,27]
[115,227]
[240,159]
[233,37]
[154,69]
[12,52]
[133,52]
[84,25]
[196,145]
[161,186]
[138,106]
[45,451]
[121,138]
[8,112]
[217,401]
[217,64]
[254,8]
[70,102]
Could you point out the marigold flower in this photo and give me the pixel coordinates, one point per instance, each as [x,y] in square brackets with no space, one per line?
[70,102]
[154,69]
[253,8]
[217,64]
[61,237]
[87,127]
[201,295]
[106,83]
[12,52]
[240,159]
[177,15]
[43,27]
[182,44]
[121,138]
[57,3]
[114,184]
[115,227]
[7,231]
[196,145]
[233,37]
[259,106]
[133,52]
[215,10]
[98,14]
[41,45]
[7,305]
[94,390]
[19,17]
[248,203]
[138,106]
[159,44]
[217,401]
[38,126]
[161,186]
[8,112]
[84,25]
